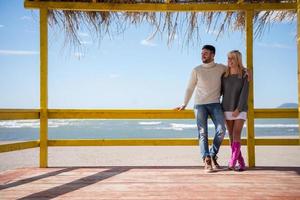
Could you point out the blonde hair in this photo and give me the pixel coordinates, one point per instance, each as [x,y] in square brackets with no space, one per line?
[237,56]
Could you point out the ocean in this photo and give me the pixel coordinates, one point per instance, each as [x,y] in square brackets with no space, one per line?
[22,130]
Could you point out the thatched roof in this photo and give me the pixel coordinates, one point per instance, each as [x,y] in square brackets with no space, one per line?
[186,25]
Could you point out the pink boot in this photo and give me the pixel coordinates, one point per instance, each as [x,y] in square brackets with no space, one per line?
[236,149]
[231,145]
[241,162]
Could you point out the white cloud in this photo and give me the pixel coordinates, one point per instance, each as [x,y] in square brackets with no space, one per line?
[27,18]
[84,38]
[148,43]
[17,53]
[274,45]
[114,76]
[212,32]
[83,34]
[85,42]
[78,55]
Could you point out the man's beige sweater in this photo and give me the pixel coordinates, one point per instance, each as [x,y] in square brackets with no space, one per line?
[206,81]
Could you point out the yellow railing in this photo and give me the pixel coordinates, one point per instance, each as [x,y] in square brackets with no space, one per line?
[17,114]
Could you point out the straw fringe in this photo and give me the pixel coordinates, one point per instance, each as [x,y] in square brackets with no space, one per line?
[186,26]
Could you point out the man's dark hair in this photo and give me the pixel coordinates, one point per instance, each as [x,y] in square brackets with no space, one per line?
[210,47]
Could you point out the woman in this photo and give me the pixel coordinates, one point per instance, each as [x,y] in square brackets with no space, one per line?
[235,87]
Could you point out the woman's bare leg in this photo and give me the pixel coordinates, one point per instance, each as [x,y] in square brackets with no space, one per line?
[237,129]
[229,125]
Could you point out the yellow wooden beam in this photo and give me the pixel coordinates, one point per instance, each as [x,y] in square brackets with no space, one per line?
[140,142]
[18,146]
[250,119]
[133,142]
[43,87]
[119,114]
[166,142]
[14,114]
[124,142]
[155,114]
[276,142]
[276,113]
[156,7]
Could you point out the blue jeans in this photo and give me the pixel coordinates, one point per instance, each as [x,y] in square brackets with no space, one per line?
[214,110]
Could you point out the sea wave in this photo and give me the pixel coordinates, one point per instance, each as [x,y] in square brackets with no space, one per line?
[32,123]
[184,126]
[181,127]
[276,125]
[149,123]
[189,126]
[20,124]
[174,126]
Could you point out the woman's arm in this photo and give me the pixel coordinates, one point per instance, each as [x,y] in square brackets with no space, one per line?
[243,100]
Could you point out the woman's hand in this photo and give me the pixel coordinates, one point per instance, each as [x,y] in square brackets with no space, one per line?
[236,113]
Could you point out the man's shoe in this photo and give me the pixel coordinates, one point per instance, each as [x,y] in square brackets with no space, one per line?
[207,164]
[215,164]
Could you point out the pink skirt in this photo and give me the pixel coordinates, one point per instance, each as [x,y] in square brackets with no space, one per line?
[242,115]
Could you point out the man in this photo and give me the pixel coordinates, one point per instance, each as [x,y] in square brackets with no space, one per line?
[206,79]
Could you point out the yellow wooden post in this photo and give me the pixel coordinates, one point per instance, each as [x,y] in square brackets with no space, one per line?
[43,87]
[298,45]
[250,121]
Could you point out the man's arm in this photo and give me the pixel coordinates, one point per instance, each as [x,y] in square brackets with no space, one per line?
[247,71]
[189,91]
[249,74]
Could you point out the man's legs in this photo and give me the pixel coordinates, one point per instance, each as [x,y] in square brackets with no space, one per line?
[217,116]
[201,115]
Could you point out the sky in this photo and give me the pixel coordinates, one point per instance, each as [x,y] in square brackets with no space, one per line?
[130,71]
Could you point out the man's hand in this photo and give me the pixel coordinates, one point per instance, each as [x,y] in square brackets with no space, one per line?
[180,108]
[236,113]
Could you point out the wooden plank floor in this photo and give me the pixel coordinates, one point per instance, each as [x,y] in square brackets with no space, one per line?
[121,182]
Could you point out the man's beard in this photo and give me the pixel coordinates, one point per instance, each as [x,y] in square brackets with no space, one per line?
[206,61]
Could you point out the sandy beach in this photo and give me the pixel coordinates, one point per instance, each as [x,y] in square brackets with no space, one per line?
[142,156]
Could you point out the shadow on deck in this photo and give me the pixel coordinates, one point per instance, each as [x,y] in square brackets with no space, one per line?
[144,182]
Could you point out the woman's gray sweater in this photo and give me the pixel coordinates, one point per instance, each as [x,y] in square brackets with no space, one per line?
[234,91]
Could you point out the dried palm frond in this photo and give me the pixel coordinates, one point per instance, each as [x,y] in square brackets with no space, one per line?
[187,25]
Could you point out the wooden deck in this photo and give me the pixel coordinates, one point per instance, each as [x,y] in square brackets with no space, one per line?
[121,182]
